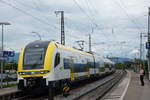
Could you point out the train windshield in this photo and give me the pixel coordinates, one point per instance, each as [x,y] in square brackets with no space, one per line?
[34,58]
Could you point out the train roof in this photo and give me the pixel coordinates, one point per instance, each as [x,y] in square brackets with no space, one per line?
[40,43]
[73,49]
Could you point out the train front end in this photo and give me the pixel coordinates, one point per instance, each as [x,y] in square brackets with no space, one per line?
[35,62]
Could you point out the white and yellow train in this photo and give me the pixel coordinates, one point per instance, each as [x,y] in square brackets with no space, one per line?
[49,64]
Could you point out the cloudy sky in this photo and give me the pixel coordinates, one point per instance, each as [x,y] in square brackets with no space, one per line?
[116,24]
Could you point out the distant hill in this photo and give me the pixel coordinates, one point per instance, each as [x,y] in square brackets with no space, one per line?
[120,59]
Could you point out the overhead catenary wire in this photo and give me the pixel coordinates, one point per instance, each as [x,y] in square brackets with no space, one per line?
[130,16]
[85,13]
[26,13]
[35,4]
[34,7]
[97,26]
[90,7]
[23,4]
[121,5]
[71,31]
[90,19]
[92,10]
[28,5]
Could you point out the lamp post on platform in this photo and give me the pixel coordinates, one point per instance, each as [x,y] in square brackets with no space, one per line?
[2,48]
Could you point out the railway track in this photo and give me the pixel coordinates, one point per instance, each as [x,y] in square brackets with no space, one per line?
[95,90]
[98,92]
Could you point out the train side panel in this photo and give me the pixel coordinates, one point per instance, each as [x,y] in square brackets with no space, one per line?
[60,65]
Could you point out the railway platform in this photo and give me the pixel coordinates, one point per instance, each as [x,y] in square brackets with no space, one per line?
[130,89]
[5,91]
[136,91]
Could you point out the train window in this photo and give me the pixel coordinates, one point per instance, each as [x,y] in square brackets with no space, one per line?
[57,59]
[34,58]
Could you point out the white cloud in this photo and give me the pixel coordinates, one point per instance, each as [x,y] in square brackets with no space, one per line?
[123,16]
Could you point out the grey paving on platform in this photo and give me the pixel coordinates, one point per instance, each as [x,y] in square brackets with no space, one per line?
[118,92]
[12,82]
[8,90]
[136,91]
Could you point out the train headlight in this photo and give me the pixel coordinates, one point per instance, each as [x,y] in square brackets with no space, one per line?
[44,72]
[21,73]
[32,73]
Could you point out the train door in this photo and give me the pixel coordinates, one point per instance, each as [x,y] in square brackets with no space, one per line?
[72,68]
[57,59]
[94,65]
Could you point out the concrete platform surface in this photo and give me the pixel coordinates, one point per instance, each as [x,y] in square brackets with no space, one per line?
[118,92]
[135,90]
[8,90]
